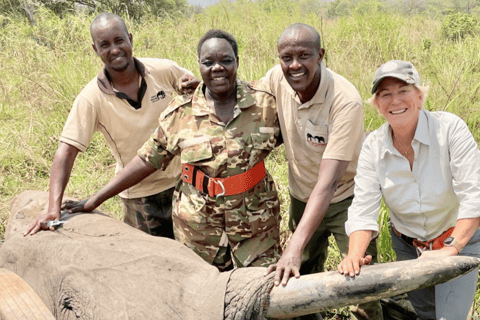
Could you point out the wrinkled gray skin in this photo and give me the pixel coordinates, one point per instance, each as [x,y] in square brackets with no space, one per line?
[95,267]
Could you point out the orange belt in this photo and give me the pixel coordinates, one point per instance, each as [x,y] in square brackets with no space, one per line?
[228,186]
[433,244]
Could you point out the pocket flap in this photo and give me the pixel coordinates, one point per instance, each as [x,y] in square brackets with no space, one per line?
[193,152]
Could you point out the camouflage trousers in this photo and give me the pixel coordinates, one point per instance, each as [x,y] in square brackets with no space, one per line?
[231,231]
[152,214]
[316,251]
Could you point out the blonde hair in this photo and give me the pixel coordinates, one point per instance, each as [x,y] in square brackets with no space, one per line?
[423,90]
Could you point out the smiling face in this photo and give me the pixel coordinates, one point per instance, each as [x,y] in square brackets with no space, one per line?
[398,102]
[300,61]
[112,44]
[218,66]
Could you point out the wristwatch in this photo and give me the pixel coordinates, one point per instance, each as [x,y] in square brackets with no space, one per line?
[452,242]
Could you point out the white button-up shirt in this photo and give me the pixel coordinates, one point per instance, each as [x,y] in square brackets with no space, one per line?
[443,185]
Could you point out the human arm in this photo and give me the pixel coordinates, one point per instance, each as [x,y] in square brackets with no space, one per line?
[59,175]
[464,160]
[357,246]
[134,172]
[330,173]
[463,232]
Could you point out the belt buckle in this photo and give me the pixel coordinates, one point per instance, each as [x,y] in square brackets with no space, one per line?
[420,250]
[221,185]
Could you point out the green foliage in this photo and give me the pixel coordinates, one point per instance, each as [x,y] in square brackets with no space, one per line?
[458,25]
[366,8]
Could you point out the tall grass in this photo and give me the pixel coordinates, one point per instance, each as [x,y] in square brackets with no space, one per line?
[44,67]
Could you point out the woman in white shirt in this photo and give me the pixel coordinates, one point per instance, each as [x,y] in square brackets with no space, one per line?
[426,166]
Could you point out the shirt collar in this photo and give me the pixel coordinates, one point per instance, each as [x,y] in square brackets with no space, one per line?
[321,93]
[245,98]
[105,84]
[421,134]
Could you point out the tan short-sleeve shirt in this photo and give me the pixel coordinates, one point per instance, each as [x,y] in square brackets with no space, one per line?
[329,126]
[125,128]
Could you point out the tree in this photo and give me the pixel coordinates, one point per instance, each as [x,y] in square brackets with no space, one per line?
[132,8]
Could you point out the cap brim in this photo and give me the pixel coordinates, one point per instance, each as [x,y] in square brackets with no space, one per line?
[391,75]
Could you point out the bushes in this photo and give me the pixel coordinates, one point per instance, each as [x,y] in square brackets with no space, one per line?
[458,25]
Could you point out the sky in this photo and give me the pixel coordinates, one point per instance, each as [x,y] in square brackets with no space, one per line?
[203,3]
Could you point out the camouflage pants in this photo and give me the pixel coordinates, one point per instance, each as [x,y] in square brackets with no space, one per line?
[231,231]
[315,253]
[152,214]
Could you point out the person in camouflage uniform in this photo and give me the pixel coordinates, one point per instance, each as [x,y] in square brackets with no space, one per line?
[248,221]
[225,129]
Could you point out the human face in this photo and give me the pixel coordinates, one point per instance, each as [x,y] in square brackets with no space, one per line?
[218,66]
[300,61]
[113,45]
[398,102]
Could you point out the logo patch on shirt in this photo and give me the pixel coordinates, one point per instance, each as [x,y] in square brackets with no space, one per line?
[316,140]
[160,95]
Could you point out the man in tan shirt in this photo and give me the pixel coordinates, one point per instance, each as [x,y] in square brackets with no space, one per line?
[124,103]
[321,118]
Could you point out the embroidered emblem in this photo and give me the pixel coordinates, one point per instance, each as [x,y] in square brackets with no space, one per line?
[316,140]
[389,66]
[160,95]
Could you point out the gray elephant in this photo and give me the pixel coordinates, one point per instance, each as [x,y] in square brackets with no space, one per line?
[95,267]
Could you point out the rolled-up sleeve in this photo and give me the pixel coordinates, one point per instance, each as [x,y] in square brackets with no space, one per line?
[154,151]
[465,167]
[363,213]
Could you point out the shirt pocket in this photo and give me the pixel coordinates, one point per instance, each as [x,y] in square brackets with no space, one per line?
[195,150]
[316,136]
[190,207]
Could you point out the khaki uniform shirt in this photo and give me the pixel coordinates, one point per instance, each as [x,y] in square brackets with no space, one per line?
[190,130]
[125,128]
[329,126]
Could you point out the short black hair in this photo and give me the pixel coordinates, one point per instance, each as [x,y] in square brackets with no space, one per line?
[106,16]
[220,34]
[301,26]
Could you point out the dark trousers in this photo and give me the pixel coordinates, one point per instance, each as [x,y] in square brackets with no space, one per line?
[152,214]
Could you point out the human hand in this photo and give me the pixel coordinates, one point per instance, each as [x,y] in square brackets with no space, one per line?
[444,252]
[85,205]
[187,84]
[40,223]
[350,266]
[288,264]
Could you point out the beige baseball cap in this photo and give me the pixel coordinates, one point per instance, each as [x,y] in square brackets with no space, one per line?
[399,69]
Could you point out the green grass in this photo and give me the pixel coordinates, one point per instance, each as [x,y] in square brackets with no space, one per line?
[44,67]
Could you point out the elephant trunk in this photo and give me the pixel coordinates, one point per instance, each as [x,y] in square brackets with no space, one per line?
[323,291]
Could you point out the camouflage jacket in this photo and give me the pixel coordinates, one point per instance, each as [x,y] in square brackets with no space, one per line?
[188,128]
